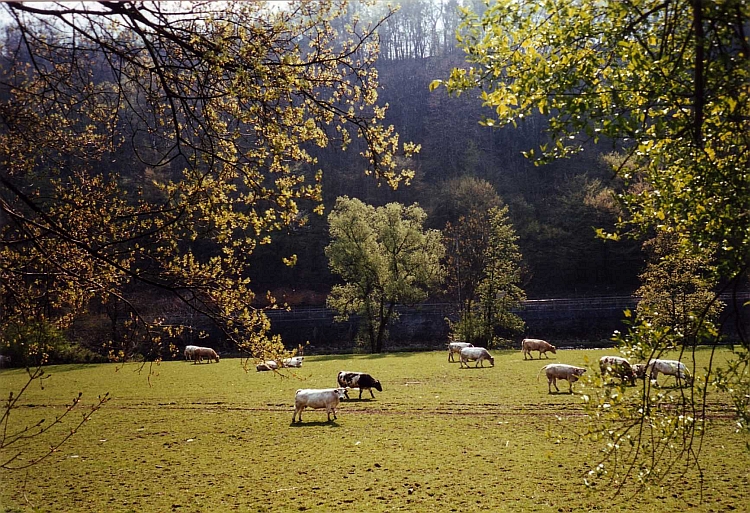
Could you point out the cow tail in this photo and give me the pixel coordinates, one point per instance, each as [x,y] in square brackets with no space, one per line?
[540,371]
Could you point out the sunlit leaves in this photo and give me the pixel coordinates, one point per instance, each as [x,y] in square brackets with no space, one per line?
[217,108]
[666,82]
[385,257]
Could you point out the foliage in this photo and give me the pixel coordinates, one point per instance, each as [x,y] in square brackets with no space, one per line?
[666,82]
[677,293]
[483,263]
[385,257]
[147,149]
[217,107]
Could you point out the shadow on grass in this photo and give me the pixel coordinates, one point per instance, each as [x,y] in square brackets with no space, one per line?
[362,356]
[331,423]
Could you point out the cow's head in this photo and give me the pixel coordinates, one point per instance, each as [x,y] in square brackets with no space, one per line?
[377,386]
[492,361]
[342,393]
[553,349]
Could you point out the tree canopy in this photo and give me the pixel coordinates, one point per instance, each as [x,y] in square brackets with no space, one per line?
[217,106]
[666,84]
[386,258]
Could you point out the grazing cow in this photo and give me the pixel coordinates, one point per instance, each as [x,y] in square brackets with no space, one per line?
[639,370]
[455,348]
[479,354]
[618,367]
[670,368]
[327,398]
[358,380]
[295,361]
[555,371]
[205,352]
[268,365]
[534,344]
[190,352]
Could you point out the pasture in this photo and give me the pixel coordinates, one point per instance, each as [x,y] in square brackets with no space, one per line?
[212,437]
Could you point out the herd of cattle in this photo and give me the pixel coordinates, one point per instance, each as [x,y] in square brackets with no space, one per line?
[329,398]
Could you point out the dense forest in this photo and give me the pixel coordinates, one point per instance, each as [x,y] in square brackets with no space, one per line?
[554,208]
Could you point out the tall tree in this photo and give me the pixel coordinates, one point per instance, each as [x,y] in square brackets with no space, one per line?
[666,81]
[386,258]
[216,105]
[676,294]
[483,264]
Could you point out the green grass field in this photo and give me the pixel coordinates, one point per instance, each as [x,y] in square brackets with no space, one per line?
[212,437]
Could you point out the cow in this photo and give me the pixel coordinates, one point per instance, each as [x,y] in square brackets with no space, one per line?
[455,348]
[205,352]
[670,368]
[618,367]
[479,354]
[327,398]
[359,380]
[295,361]
[555,371]
[534,344]
[190,352]
[267,365]
[639,370]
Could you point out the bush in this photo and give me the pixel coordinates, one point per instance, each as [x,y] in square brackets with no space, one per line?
[41,343]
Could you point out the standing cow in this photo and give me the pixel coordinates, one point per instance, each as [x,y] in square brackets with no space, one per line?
[480,354]
[454,348]
[555,371]
[618,367]
[327,398]
[670,368]
[205,352]
[534,344]
[359,380]
[190,352]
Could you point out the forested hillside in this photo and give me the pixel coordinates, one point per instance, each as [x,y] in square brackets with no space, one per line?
[146,202]
[554,208]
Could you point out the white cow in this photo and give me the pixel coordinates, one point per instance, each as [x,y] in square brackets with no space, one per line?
[327,398]
[479,354]
[295,361]
[670,368]
[190,352]
[267,365]
[555,371]
[455,348]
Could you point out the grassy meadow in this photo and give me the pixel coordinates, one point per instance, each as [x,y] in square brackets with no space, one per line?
[212,437]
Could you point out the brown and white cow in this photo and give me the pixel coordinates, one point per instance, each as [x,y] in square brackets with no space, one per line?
[534,344]
[618,367]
